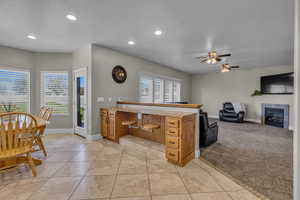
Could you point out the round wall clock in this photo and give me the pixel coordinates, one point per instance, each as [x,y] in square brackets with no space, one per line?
[119,74]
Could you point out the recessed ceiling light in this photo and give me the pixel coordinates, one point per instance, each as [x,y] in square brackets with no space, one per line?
[31,37]
[158,32]
[71,17]
[131,42]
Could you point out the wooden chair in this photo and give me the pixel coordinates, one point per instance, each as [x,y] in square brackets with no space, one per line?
[45,114]
[17,132]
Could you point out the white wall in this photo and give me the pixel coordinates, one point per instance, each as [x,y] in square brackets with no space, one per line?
[103,61]
[213,89]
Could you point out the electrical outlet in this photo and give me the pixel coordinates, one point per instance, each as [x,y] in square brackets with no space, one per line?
[100,99]
[139,116]
[109,99]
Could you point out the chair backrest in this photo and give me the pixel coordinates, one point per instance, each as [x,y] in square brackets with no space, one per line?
[203,121]
[42,111]
[228,107]
[45,113]
[17,131]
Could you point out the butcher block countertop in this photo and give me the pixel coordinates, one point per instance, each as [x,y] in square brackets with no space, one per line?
[196,106]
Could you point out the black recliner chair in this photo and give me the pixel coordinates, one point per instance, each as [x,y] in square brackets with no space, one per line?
[208,131]
[228,114]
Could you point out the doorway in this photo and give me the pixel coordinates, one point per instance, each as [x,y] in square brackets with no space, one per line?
[80,101]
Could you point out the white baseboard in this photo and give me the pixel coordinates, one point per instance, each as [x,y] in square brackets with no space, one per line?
[94,137]
[49,131]
[197,153]
[258,121]
[213,116]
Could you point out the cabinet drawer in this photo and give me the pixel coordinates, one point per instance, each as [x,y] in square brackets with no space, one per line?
[172,142]
[172,122]
[172,154]
[172,132]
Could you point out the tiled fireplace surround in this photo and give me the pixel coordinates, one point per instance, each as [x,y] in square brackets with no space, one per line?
[285,107]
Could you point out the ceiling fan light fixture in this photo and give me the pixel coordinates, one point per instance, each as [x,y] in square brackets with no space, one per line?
[225,70]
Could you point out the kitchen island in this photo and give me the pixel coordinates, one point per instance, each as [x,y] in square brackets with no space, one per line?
[175,125]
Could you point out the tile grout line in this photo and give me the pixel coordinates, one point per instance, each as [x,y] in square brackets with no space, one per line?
[148,176]
[75,188]
[189,194]
[116,175]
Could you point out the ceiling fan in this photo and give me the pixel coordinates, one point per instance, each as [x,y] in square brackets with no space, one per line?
[212,57]
[227,67]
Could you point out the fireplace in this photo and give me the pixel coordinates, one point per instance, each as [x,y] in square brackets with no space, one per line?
[275,115]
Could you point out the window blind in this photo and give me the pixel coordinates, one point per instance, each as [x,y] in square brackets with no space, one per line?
[55,91]
[146,89]
[156,89]
[14,90]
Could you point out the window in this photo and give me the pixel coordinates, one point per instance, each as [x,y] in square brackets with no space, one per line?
[54,91]
[14,91]
[146,89]
[157,89]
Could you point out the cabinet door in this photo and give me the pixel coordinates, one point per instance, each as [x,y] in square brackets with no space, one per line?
[111,132]
[104,126]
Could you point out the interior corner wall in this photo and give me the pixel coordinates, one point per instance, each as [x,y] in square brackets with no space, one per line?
[103,61]
[13,58]
[213,89]
[82,58]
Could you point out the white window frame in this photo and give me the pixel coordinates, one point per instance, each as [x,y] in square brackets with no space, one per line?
[42,91]
[164,78]
[13,69]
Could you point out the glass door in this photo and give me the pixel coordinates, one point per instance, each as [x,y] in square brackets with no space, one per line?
[80,102]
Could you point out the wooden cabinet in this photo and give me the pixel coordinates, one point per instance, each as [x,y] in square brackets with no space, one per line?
[107,124]
[111,132]
[180,139]
[104,126]
[176,131]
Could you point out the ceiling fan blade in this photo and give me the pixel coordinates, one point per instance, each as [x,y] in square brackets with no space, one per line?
[225,55]
[219,59]
[235,67]
[203,61]
[201,57]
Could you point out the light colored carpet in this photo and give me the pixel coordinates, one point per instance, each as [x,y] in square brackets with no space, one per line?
[259,156]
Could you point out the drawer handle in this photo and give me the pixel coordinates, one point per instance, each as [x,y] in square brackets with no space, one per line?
[172,132]
[171,142]
[173,123]
[171,154]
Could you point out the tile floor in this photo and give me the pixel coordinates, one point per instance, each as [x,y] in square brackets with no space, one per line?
[77,169]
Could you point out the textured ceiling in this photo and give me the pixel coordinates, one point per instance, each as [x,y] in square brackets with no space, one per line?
[258,33]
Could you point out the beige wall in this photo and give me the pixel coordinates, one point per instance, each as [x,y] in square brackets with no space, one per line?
[36,62]
[297,102]
[103,61]
[212,89]
[13,58]
[54,62]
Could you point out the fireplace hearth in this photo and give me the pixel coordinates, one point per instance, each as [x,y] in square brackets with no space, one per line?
[275,115]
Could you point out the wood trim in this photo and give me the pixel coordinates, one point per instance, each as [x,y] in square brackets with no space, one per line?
[161,105]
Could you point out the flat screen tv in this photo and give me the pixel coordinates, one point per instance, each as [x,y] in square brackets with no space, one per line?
[277,84]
